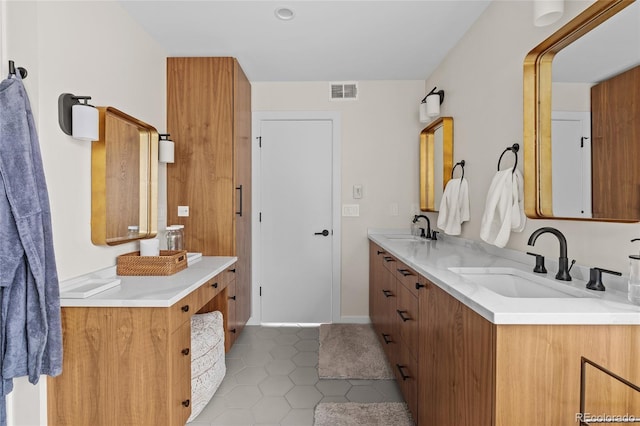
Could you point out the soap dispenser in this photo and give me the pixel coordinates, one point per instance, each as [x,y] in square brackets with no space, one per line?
[634,277]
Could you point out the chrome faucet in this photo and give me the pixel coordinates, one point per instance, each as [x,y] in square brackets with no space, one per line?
[563,261]
[415,220]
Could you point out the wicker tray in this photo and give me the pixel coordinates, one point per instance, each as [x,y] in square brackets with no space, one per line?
[168,263]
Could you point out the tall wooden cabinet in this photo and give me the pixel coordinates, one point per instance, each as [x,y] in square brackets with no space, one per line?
[209,119]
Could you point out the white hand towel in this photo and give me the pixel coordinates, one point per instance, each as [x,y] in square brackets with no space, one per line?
[496,220]
[504,210]
[454,206]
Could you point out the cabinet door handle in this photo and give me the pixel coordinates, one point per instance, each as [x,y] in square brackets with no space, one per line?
[400,370]
[232,297]
[185,351]
[387,293]
[214,285]
[405,272]
[388,259]
[419,286]
[386,339]
[232,270]
[186,403]
[239,188]
[380,252]
[401,313]
[185,308]
[233,330]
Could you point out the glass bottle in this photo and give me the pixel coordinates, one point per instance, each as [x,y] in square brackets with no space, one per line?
[174,237]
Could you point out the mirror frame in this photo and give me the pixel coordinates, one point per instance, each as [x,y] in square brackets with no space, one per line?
[148,202]
[427,160]
[537,108]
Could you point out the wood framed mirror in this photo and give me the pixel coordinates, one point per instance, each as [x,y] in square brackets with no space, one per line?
[124,179]
[436,162]
[582,118]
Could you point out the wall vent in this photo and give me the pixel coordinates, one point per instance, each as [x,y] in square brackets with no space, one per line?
[346,91]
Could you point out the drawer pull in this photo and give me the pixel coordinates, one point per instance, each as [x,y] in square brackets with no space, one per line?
[233,330]
[401,313]
[386,339]
[214,285]
[186,403]
[405,272]
[389,259]
[387,293]
[232,297]
[232,270]
[381,252]
[185,308]
[400,370]
[419,286]
[185,351]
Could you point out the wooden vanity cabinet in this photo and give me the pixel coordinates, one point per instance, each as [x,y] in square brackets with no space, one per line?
[382,299]
[130,366]
[209,119]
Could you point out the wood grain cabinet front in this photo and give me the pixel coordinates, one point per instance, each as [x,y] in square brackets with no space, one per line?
[130,366]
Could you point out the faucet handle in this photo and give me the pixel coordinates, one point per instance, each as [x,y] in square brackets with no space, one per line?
[595,278]
[434,235]
[539,268]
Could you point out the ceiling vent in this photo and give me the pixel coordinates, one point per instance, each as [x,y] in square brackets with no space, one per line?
[344,91]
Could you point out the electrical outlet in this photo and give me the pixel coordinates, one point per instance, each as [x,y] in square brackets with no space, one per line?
[183,211]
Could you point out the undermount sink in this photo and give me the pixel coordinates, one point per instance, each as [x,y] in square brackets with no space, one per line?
[405,237]
[511,282]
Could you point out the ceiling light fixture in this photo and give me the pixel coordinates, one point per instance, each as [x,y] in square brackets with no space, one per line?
[546,12]
[284,13]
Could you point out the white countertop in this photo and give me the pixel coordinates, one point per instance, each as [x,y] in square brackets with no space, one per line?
[432,259]
[156,291]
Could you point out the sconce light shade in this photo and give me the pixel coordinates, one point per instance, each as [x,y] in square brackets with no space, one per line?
[79,120]
[430,105]
[166,149]
[546,12]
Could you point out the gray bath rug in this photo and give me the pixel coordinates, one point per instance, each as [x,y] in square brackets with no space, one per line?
[356,414]
[351,351]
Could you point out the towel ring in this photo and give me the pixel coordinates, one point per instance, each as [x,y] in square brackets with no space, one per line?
[461,164]
[513,148]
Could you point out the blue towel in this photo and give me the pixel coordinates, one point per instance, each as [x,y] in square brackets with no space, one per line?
[30,327]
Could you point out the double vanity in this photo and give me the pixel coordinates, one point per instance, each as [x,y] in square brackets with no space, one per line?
[480,339]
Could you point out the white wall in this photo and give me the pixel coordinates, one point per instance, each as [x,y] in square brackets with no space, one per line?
[380,134]
[85,48]
[482,77]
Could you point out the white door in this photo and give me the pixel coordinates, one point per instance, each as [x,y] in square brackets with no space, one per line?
[571,165]
[296,221]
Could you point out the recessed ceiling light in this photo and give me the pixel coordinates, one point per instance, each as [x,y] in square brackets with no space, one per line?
[284,13]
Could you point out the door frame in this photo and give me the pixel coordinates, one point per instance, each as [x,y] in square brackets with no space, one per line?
[257,118]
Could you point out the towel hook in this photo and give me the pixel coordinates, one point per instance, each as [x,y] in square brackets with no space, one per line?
[12,70]
[461,164]
[513,148]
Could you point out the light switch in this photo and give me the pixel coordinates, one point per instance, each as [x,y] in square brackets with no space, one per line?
[351,210]
[357,191]
[183,211]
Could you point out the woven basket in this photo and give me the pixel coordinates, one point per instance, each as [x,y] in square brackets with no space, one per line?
[168,263]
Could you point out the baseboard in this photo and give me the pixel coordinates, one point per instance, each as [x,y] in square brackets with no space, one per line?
[354,319]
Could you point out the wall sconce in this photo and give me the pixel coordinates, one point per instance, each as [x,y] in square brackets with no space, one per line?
[79,120]
[546,12]
[165,149]
[430,105]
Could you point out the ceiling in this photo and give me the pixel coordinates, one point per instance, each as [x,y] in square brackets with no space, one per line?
[325,41]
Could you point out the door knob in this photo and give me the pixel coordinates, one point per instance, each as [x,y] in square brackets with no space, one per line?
[324,233]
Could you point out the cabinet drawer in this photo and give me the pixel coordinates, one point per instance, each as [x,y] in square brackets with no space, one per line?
[408,277]
[406,371]
[208,291]
[180,362]
[228,275]
[182,310]
[407,319]
[389,262]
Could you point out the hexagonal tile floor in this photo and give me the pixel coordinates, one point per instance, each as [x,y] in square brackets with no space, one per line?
[272,379]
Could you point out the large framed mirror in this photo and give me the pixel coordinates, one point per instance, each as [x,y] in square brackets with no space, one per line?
[582,117]
[436,162]
[124,179]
